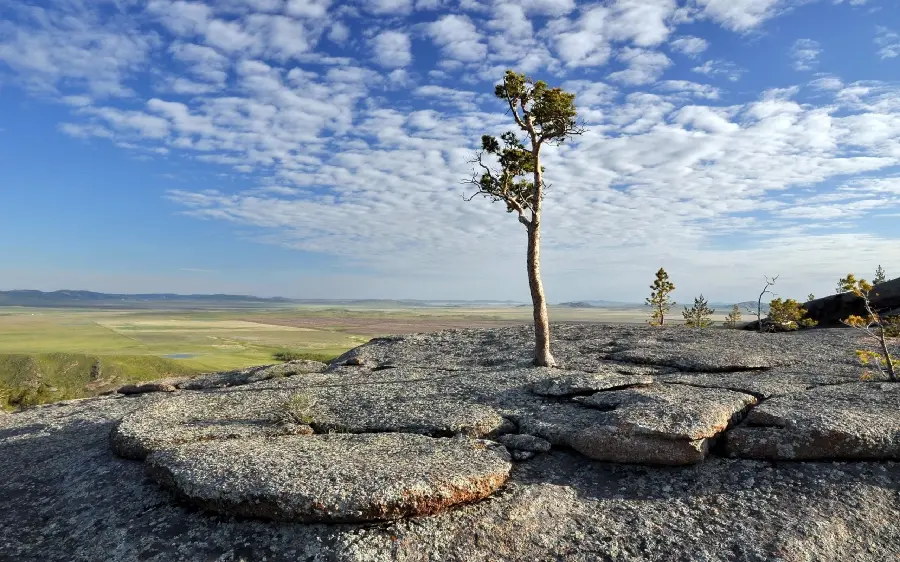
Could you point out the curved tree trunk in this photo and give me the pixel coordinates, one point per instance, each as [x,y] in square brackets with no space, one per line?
[542,356]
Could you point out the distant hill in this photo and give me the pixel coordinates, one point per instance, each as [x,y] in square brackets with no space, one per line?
[69,298]
[725,307]
[599,304]
[91,299]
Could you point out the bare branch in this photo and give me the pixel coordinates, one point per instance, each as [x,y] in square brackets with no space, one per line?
[512,202]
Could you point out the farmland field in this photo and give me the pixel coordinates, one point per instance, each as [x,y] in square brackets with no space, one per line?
[55,354]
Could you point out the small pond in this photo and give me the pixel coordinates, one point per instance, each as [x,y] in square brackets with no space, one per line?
[180,356]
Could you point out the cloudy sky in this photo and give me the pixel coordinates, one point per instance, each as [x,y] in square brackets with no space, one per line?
[316,148]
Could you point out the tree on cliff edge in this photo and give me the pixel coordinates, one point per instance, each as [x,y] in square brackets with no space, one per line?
[543,115]
[659,300]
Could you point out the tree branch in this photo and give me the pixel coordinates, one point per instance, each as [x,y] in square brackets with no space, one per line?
[511,200]
[515,112]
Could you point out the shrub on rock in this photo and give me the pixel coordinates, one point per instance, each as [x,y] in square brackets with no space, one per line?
[698,315]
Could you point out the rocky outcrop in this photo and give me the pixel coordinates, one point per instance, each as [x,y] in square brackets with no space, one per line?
[227,379]
[332,478]
[159,386]
[657,424]
[239,415]
[850,421]
[830,310]
[432,424]
[574,383]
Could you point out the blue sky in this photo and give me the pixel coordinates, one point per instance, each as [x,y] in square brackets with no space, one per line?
[312,148]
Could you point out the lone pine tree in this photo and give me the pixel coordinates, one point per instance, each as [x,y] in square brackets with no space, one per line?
[659,298]
[698,315]
[543,115]
[734,317]
[879,276]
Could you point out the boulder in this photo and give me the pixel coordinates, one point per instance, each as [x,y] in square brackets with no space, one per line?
[849,421]
[332,478]
[830,310]
[657,424]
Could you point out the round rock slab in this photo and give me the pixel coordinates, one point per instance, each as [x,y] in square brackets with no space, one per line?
[198,416]
[332,478]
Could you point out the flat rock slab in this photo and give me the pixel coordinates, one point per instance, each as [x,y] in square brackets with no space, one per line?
[332,478]
[159,386]
[658,424]
[201,416]
[574,383]
[253,374]
[850,421]
[766,384]
[696,357]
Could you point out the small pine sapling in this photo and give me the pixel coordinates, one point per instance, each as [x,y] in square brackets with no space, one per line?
[698,316]
[733,318]
[810,297]
[873,325]
[879,276]
[659,298]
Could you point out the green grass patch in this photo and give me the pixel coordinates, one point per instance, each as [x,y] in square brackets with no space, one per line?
[292,355]
[31,379]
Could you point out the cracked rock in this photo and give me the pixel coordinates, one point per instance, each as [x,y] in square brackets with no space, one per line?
[197,416]
[580,383]
[252,374]
[850,421]
[658,424]
[147,387]
[332,478]
[523,442]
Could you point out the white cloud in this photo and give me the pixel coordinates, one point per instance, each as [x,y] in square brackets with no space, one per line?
[689,88]
[338,32]
[740,15]
[888,42]
[77,49]
[642,22]
[458,38]
[644,67]
[689,45]
[340,155]
[583,42]
[805,54]
[723,68]
[827,83]
[392,49]
[547,7]
[381,7]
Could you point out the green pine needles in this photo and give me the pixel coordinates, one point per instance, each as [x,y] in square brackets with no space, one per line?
[659,298]
[698,316]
